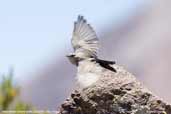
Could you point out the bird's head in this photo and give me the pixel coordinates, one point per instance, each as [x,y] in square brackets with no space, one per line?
[72,58]
[71,55]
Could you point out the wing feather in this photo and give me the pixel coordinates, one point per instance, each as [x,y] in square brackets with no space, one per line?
[84,37]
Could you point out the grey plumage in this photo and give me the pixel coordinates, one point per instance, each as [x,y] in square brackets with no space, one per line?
[86,45]
[84,39]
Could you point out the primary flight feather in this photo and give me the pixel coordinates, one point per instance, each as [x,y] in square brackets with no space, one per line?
[84,38]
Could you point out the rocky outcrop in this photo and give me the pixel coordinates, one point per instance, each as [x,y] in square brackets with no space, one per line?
[115,93]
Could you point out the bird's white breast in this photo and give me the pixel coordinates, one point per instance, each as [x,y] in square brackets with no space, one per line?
[88,73]
[87,79]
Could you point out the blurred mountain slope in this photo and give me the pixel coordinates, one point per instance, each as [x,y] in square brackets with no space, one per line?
[141,44]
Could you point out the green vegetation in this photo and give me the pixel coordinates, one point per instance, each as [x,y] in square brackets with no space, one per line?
[9,95]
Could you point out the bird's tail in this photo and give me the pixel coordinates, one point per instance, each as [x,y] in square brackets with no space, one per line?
[106,64]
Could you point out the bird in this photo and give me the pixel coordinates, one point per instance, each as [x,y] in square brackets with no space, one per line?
[86,45]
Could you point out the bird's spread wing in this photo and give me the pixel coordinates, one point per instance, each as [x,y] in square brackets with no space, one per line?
[84,37]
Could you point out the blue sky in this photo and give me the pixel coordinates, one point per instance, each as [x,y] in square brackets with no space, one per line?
[33,31]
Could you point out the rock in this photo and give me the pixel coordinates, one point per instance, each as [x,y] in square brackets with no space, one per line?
[115,93]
